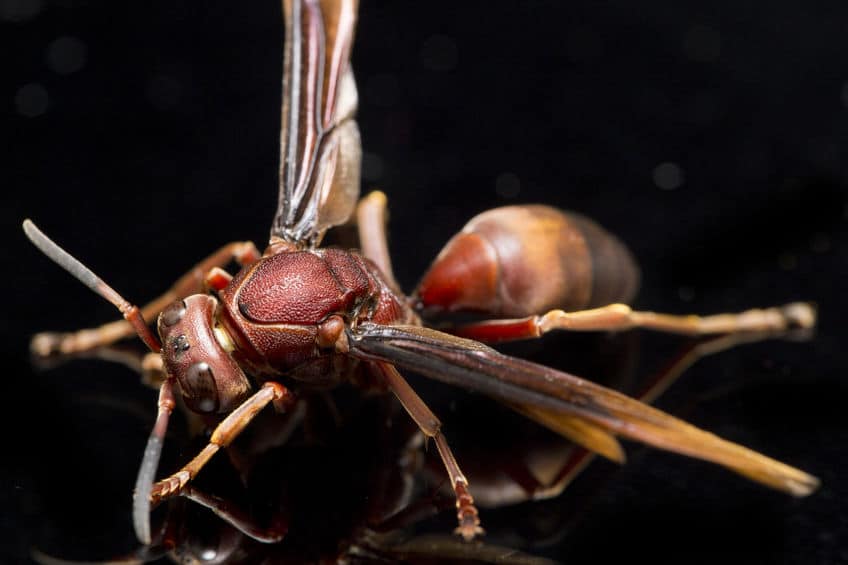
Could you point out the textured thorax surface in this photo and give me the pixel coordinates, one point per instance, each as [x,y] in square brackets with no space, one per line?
[272,308]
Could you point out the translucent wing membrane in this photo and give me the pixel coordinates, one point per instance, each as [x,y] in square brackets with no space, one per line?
[320,151]
[558,400]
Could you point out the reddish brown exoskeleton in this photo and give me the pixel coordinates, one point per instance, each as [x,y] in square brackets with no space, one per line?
[300,316]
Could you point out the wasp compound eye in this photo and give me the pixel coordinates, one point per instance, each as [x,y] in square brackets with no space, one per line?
[199,390]
[173,313]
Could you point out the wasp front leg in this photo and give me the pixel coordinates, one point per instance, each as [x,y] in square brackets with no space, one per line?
[229,428]
[205,274]
[149,494]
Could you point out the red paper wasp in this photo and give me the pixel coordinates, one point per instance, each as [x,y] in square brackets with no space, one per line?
[299,316]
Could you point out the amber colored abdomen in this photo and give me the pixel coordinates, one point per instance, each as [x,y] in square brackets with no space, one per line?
[523,260]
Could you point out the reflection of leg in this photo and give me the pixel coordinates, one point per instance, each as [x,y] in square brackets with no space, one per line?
[657,385]
[225,433]
[618,317]
[150,461]
[467,515]
[240,519]
[692,353]
[274,430]
[50,343]
[371,223]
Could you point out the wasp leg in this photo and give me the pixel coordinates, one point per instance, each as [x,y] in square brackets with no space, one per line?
[229,428]
[619,317]
[371,220]
[466,512]
[51,343]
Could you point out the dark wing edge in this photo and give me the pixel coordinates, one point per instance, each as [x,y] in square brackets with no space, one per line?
[543,390]
[320,150]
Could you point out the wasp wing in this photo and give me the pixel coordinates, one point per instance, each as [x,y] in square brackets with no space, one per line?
[320,151]
[548,392]
[592,437]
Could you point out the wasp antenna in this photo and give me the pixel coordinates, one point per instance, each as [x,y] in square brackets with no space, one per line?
[92,281]
[73,266]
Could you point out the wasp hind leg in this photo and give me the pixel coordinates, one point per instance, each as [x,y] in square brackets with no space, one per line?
[371,218]
[620,317]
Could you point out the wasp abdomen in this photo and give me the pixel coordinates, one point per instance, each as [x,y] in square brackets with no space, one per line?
[524,260]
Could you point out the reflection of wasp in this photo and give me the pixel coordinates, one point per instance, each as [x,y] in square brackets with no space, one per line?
[265,491]
[300,316]
[391,491]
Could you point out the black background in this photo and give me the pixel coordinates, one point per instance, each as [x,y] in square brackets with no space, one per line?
[158,141]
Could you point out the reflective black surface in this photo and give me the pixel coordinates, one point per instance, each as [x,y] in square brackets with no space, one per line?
[711,138]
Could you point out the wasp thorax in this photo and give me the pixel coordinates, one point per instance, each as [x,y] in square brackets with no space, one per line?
[209,378]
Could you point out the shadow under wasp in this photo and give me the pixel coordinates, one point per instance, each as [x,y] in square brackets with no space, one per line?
[298,316]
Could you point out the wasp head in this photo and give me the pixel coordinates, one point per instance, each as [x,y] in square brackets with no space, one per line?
[196,352]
